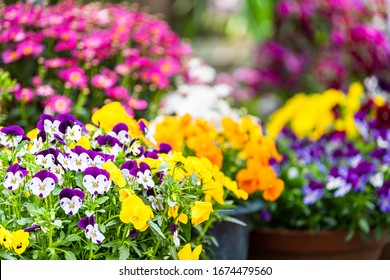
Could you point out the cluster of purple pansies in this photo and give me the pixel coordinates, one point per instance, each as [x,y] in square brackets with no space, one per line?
[338,166]
[58,166]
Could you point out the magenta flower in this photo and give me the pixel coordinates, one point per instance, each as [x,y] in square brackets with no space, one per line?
[117,92]
[9,56]
[25,94]
[75,77]
[59,104]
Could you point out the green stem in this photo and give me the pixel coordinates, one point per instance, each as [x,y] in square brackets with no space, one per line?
[90,253]
[23,112]
[82,98]
[156,247]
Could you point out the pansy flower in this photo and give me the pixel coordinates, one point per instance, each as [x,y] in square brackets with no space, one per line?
[14,176]
[71,200]
[46,158]
[32,228]
[143,175]
[109,143]
[49,125]
[91,229]
[175,234]
[312,192]
[96,180]
[12,135]
[20,241]
[121,132]
[127,166]
[79,159]
[43,183]
[135,148]
[148,134]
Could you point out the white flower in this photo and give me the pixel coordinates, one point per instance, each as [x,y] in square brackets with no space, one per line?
[176,239]
[292,173]
[51,128]
[334,183]
[376,180]
[79,162]
[13,180]
[58,171]
[145,179]
[92,232]
[42,188]
[71,206]
[45,161]
[98,185]
[73,133]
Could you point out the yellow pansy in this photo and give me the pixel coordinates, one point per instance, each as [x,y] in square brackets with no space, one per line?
[200,212]
[187,254]
[125,194]
[134,211]
[173,212]
[115,173]
[5,237]
[113,113]
[20,241]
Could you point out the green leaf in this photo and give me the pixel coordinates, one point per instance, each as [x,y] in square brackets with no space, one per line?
[186,230]
[58,223]
[72,238]
[5,256]
[234,220]
[350,234]
[70,256]
[102,200]
[156,228]
[172,251]
[111,223]
[124,253]
[364,225]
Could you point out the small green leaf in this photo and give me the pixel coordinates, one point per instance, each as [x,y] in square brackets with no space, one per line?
[124,253]
[72,238]
[111,223]
[5,256]
[364,225]
[157,229]
[70,256]
[102,200]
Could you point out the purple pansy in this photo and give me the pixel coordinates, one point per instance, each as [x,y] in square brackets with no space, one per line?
[96,180]
[32,228]
[12,135]
[146,131]
[312,192]
[143,175]
[98,159]
[78,159]
[164,148]
[127,166]
[43,183]
[107,140]
[14,176]
[46,158]
[384,203]
[120,132]
[136,149]
[175,233]
[91,229]
[71,200]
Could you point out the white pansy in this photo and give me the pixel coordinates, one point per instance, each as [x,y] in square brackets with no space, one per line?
[71,206]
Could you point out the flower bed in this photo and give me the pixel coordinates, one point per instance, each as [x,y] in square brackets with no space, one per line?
[70,58]
[103,191]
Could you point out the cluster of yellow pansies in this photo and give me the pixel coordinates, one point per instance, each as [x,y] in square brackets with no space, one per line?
[312,115]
